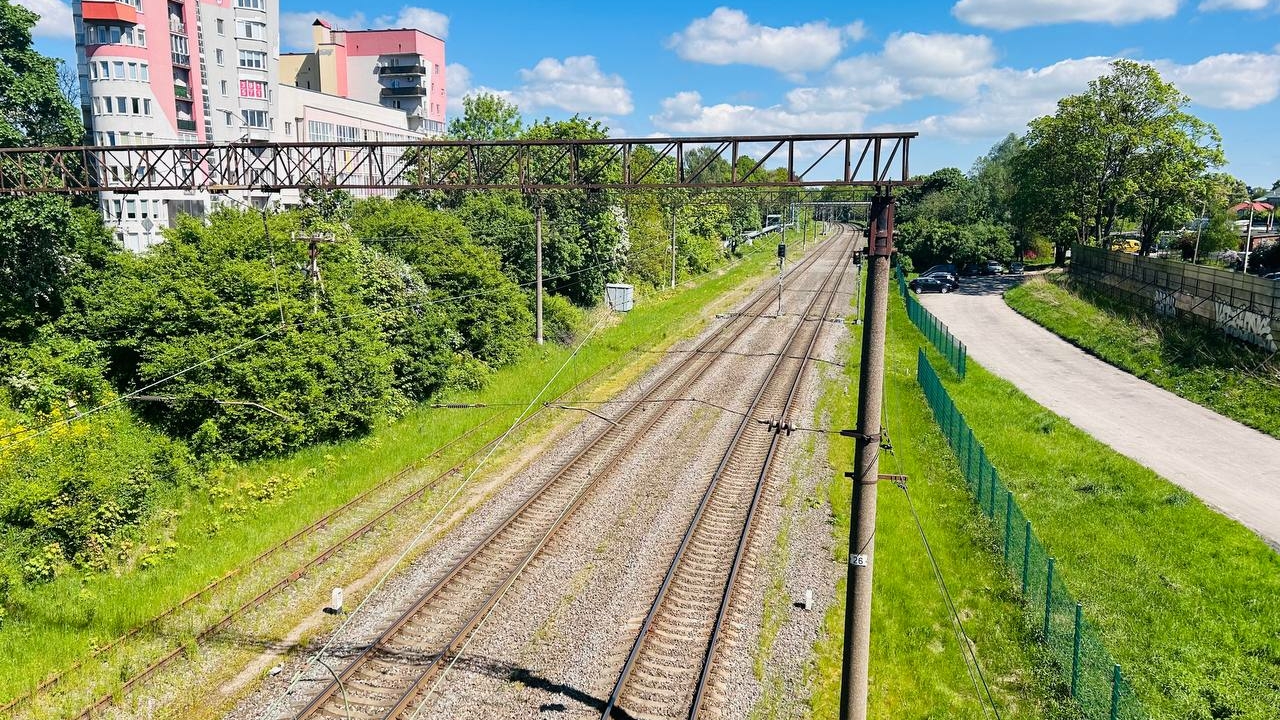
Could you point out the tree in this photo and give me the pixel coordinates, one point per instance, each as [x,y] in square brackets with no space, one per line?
[1124,147]
[582,236]
[486,117]
[40,235]
[486,309]
[216,292]
[33,110]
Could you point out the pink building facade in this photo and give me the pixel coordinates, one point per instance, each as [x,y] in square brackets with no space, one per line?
[402,69]
[174,71]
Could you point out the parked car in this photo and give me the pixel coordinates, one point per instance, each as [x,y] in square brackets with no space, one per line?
[948,276]
[932,283]
[972,270]
[993,267]
[1016,268]
[949,268]
[1271,276]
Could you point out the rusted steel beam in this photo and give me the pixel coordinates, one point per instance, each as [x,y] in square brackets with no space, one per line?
[591,164]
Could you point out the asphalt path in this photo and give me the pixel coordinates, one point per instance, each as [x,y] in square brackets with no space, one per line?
[1229,466]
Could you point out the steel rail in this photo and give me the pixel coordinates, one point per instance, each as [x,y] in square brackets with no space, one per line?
[744,539]
[698,360]
[295,575]
[695,522]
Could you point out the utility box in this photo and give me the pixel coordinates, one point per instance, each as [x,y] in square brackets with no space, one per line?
[621,297]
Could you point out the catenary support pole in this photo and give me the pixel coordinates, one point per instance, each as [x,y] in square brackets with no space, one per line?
[857,619]
[538,293]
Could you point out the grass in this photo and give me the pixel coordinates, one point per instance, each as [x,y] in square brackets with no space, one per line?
[60,622]
[917,671]
[1186,600]
[1195,362]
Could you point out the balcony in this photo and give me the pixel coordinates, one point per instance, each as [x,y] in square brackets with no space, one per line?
[111,12]
[187,125]
[404,92]
[176,26]
[182,92]
[402,70]
[181,59]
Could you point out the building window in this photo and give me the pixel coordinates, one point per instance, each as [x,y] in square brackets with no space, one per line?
[252,4]
[254,118]
[253,59]
[288,128]
[146,107]
[251,30]
[224,88]
[122,105]
[217,54]
[253,89]
[221,28]
[137,106]
[141,36]
[104,69]
[131,209]
[133,71]
[228,119]
[117,70]
[146,73]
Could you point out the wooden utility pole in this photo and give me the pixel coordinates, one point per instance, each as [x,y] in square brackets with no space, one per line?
[857,609]
[538,300]
[673,246]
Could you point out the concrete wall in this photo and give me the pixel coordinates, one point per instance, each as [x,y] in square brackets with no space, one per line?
[1245,307]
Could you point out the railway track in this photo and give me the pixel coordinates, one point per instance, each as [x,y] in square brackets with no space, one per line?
[387,678]
[668,672]
[325,553]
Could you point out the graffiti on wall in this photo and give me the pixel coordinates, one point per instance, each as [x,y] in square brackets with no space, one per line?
[1166,303]
[1245,325]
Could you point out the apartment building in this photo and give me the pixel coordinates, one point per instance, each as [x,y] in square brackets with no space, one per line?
[197,71]
[402,69]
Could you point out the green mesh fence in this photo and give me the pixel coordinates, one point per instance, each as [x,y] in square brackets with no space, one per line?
[952,349]
[1087,672]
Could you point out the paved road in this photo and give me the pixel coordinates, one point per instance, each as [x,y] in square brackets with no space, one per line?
[1233,468]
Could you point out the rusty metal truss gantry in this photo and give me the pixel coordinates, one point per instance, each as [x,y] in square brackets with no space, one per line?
[878,160]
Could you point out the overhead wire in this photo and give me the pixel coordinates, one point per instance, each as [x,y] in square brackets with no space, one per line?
[40,430]
[968,653]
[413,543]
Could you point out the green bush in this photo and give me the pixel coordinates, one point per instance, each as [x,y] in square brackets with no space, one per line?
[484,306]
[53,372]
[217,293]
[69,495]
[561,319]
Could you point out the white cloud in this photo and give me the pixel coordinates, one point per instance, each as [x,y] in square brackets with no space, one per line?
[1230,81]
[684,113]
[1009,98]
[728,36]
[458,78]
[576,84]
[55,18]
[1012,14]
[939,55]
[295,27]
[1234,4]
[419,18]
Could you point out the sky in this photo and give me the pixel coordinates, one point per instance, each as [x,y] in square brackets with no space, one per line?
[963,73]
